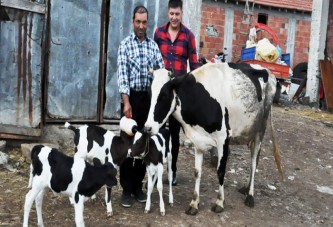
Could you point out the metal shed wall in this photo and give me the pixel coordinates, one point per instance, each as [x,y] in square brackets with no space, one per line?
[74,59]
[21,68]
[121,26]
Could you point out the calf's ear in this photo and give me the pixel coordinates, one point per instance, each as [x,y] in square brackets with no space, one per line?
[112,180]
[97,162]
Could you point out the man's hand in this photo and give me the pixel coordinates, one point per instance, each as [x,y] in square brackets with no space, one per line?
[127,106]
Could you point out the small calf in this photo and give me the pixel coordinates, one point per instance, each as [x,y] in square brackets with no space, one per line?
[92,142]
[73,177]
[155,151]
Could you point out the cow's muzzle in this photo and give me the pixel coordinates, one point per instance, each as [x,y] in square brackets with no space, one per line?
[147,130]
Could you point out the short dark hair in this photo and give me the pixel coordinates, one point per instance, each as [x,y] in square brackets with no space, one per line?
[140,9]
[175,4]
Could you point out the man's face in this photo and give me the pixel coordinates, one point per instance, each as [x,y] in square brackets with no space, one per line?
[140,23]
[175,17]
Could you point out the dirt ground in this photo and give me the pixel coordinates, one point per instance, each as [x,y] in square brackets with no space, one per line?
[304,198]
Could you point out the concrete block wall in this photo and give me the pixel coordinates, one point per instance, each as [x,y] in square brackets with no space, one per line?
[213,16]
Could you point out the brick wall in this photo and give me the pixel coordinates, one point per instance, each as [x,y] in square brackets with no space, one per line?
[213,15]
[302,41]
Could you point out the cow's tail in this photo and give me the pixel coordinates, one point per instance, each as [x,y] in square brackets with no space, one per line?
[276,148]
[69,126]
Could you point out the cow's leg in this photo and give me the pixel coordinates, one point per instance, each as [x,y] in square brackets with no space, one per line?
[249,189]
[223,153]
[169,161]
[151,183]
[108,191]
[160,187]
[193,208]
[78,208]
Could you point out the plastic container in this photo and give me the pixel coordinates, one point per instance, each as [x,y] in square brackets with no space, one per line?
[248,54]
[286,58]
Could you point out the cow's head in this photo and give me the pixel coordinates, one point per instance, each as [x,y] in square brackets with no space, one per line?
[163,101]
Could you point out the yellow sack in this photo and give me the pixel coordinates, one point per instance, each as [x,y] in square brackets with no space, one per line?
[265,51]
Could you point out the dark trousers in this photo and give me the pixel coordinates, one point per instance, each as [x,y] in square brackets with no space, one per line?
[174,127]
[133,171]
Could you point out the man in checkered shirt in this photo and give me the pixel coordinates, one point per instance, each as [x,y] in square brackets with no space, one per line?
[137,53]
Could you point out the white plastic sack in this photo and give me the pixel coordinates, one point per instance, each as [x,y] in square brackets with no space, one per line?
[265,51]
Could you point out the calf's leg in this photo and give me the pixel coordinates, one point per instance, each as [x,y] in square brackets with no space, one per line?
[169,161]
[29,199]
[151,183]
[160,187]
[108,201]
[79,207]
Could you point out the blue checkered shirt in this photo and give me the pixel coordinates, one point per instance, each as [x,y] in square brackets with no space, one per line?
[134,60]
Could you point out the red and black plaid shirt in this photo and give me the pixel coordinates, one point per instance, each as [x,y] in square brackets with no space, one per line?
[175,54]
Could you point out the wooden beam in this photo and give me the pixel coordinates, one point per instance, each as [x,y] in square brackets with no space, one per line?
[23,131]
[24,5]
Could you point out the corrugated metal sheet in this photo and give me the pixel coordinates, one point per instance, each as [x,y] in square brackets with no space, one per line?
[121,26]
[20,68]
[74,59]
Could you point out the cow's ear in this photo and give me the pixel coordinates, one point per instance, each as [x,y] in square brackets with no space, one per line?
[171,73]
[156,67]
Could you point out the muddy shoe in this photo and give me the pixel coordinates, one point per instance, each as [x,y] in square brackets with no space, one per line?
[140,196]
[126,200]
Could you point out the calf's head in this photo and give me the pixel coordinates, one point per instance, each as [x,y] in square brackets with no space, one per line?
[140,144]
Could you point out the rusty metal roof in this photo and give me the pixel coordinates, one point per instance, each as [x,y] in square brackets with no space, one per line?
[301,5]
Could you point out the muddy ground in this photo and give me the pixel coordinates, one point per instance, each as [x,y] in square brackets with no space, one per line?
[304,198]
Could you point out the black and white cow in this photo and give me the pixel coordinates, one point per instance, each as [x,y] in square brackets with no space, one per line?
[70,176]
[155,152]
[216,103]
[92,142]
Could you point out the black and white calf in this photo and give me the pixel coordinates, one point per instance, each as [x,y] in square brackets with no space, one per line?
[217,104]
[73,177]
[155,152]
[92,142]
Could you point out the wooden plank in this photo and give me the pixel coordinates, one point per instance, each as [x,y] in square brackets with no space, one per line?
[327,78]
[300,89]
[23,131]
[24,5]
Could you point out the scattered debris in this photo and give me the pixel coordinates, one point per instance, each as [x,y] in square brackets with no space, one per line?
[325,189]
[272,187]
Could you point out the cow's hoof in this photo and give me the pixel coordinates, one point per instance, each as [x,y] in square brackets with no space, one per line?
[249,201]
[217,209]
[191,211]
[146,211]
[109,214]
[162,213]
[171,204]
[244,190]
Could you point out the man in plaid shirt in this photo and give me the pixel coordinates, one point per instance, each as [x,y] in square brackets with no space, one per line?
[136,54]
[177,45]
